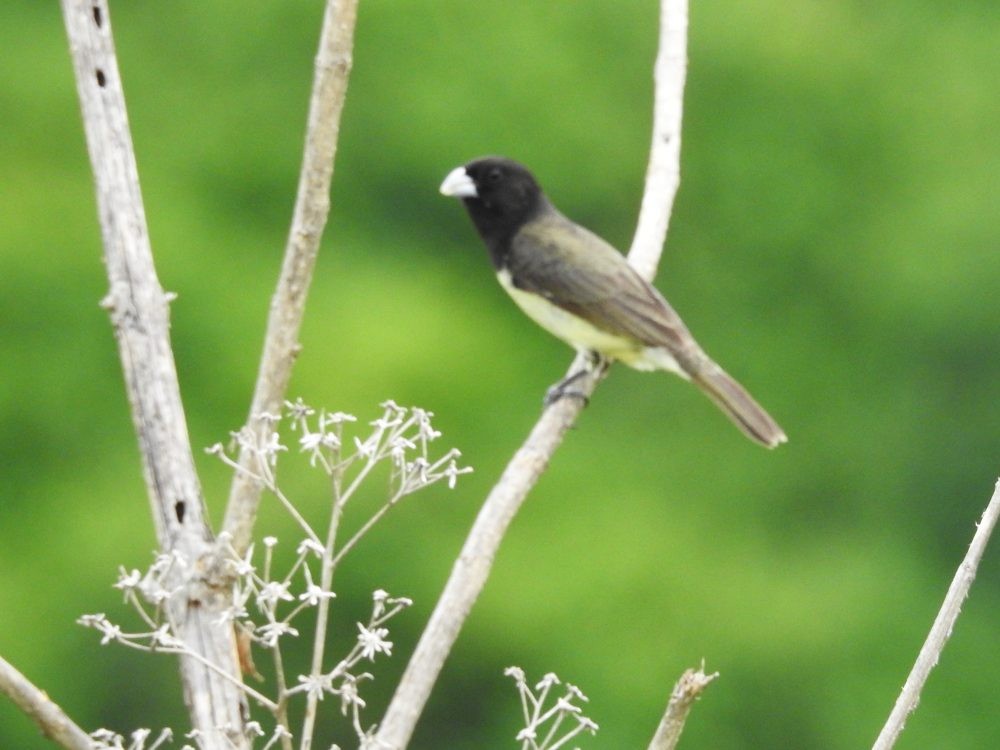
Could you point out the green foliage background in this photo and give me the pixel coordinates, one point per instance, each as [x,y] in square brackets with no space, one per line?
[833,245]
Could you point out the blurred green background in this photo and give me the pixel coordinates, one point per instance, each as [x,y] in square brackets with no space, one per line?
[834,245]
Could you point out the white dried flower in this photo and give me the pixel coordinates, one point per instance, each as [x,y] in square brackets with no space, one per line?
[272,593]
[269,450]
[272,631]
[453,472]
[315,685]
[517,673]
[128,580]
[163,638]
[314,594]
[550,679]
[242,566]
[310,545]
[424,428]
[348,692]
[368,448]
[373,642]
[298,410]
[338,417]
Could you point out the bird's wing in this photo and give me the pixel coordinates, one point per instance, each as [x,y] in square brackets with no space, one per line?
[577,270]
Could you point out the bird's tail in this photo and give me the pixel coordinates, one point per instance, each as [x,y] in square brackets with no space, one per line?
[739,405]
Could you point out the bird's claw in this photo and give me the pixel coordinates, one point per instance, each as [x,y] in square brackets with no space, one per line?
[562,390]
[556,392]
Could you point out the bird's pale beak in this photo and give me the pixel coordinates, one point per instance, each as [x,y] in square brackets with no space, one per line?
[458,184]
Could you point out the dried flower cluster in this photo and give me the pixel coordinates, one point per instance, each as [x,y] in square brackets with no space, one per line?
[552,727]
[263,605]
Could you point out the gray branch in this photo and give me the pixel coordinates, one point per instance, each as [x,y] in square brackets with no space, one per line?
[942,627]
[312,206]
[139,312]
[469,574]
[55,724]
[687,690]
[663,174]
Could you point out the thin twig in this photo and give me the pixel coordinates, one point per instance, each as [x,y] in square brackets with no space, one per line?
[281,713]
[322,612]
[49,717]
[262,699]
[267,482]
[663,175]
[365,528]
[312,207]
[472,567]
[942,627]
[687,690]
[140,316]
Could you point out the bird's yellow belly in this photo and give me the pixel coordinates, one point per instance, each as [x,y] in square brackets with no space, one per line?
[574,330]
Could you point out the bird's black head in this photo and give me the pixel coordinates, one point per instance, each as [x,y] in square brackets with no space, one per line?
[500,195]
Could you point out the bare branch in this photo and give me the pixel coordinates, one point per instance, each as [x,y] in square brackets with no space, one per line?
[942,627]
[663,175]
[140,316]
[312,206]
[687,690]
[55,724]
[136,301]
[476,558]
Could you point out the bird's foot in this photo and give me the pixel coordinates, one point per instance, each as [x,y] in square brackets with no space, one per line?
[597,362]
[562,389]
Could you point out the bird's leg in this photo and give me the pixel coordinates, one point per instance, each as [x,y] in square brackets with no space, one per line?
[595,363]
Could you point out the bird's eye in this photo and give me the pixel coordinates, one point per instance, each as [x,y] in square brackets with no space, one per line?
[494,175]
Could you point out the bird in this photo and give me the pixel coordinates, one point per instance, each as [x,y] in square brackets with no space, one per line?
[579,288]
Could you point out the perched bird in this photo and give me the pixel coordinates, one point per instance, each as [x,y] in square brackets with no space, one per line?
[579,288]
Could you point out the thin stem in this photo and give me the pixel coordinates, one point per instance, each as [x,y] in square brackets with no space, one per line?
[322,611]
[553,729]
[940,631]
[569,735]
[281,710]
[141,609]
[312,207]
[346,495]
[262,699]
[272,486]
[376,517]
